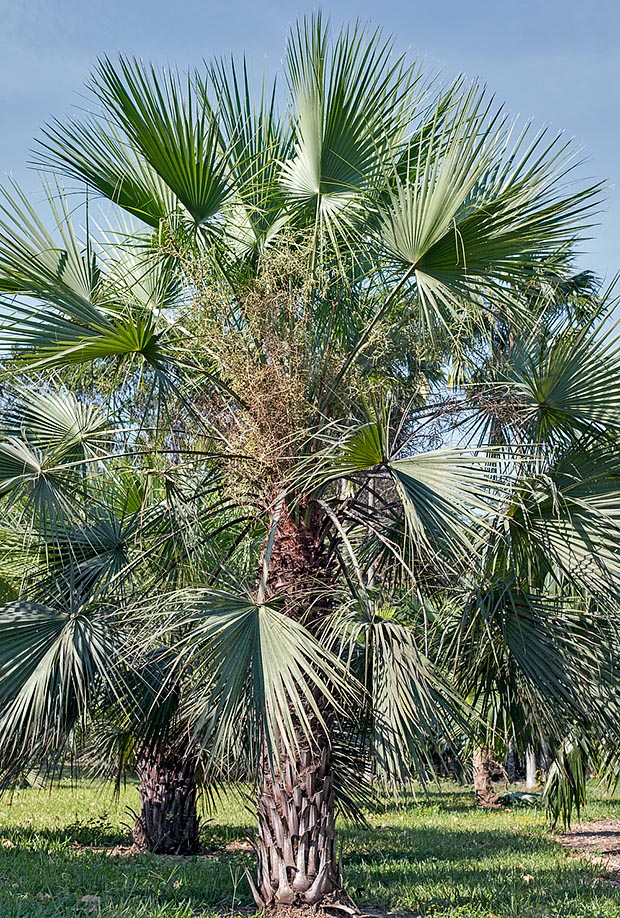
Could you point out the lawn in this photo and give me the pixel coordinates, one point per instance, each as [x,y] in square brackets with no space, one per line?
[61,854]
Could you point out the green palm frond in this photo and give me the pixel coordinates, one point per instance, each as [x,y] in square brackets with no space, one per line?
[257,141]
[412,709]
[52,661]
[137,272]
[96,153]
[520,654]
[574,382]
[55,422]
[480,214]
[177,136]
[41,264]
[32,481]
[78,310]
[262,677]
[449,495]
[352,105]
[566,782]
[569,517]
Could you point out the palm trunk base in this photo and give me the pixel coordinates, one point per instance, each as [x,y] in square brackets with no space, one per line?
[296,843]
[168,821]
[483,784]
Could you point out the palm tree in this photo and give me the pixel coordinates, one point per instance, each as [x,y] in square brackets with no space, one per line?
[549,390]
[83,538]
[323,268]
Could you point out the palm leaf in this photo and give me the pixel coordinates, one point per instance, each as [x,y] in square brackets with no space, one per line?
[574,382]
[570,518]
[177,136]
[263,676]
[412,709]
[97,153]
[448,495]
[38,263]
[56,423]
[257,141]
[478,214]
[351,108]
[52,662]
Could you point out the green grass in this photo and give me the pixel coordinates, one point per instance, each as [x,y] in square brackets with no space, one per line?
[439,857]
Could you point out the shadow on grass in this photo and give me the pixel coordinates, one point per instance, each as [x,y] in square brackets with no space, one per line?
[47,872]
[426,869]
[96,832]
[418,844]
[461,798]
[56,884]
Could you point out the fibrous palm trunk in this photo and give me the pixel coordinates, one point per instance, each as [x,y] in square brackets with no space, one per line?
[168,821]
[483,783]
[296,843]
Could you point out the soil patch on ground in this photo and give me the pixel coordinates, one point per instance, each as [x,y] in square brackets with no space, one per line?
[599,841]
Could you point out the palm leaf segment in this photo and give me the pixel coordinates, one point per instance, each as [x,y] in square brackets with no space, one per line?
[351,109]
[448,495]
[412,711]
[74,304]
[570,382]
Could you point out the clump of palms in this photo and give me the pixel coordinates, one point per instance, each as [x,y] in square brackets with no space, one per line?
[271,348]
[548,391]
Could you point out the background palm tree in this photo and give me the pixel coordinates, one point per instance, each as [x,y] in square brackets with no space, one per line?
[83,539]
[542,391]
[283,325]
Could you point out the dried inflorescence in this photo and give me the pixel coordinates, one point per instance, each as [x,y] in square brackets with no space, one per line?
[257,344]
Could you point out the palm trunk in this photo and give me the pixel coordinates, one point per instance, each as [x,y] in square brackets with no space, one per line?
[483,785]
[168,821]
[511,764]
[296,844]
[531,781]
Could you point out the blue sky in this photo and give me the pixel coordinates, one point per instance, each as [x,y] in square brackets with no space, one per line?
[558,62]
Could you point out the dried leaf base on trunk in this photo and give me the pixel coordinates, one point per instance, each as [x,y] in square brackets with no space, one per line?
[296,843]
[168,821]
